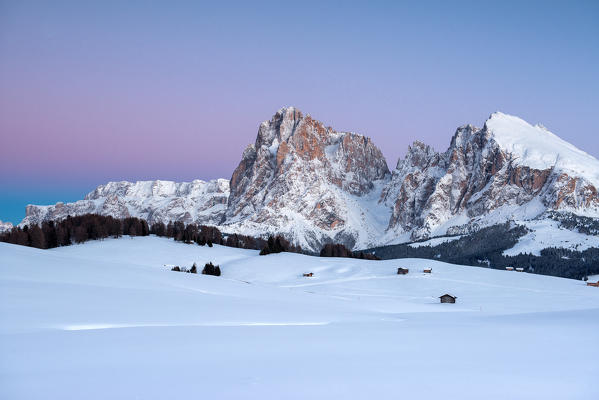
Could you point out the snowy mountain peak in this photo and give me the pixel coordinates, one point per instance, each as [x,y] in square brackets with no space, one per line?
[305,180]
[536,147]
[156,201]
[5,226]
[315,185]
[508,169]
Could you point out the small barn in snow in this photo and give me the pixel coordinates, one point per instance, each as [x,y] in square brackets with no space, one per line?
[447,298]
[402,271]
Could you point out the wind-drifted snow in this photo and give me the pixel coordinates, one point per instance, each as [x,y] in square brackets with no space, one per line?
[108,320]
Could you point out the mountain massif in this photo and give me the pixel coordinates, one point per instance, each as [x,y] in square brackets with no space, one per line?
[315,185]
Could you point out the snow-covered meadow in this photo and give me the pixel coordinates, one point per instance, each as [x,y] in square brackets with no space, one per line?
[108,320]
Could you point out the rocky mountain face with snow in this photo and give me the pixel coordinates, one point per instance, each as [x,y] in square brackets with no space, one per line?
[5,226]
[508,170]
[308,182]
[156,201]
[316,185]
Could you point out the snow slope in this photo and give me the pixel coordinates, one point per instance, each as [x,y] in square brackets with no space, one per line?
[108,319]
[547,233]
[536,147]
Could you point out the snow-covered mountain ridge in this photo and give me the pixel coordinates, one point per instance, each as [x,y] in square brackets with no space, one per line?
[508,170]
[316,185]
[5,226]
[156,201]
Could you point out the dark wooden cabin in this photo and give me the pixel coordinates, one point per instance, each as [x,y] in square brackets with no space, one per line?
[402,271]
[593,284]
[428,271]
[309,274]
[447,298]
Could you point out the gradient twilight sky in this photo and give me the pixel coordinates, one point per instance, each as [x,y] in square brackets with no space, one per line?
[112,90]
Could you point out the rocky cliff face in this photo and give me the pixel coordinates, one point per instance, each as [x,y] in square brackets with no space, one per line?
[156,201]
[315,185]
[506,170]
[308,182]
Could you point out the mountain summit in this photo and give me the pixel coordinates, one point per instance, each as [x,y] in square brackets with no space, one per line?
[306,181]
[315,185]
[509,169]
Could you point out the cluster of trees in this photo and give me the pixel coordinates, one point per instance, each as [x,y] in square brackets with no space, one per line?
[278,244]
[586,225]
[190,233]
[211,269]
[74,230]
[339,250]
[485,249]
[92,227]
[192,270]
[557,262]
[205,235]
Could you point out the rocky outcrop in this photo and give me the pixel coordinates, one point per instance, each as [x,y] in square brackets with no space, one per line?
[308,182]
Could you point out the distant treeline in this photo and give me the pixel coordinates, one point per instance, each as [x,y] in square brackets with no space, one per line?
[485,249]
[339,250]
[74,230]
[86,227]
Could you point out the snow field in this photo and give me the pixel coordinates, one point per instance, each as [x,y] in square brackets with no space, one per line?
[108,319]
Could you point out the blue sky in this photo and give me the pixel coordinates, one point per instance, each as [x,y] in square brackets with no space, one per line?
[99,91]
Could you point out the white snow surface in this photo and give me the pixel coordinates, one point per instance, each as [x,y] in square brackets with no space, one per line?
[435,241]
[547,233]
[109,320]
[536,147]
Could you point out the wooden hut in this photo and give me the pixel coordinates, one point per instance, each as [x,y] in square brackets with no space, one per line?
[596,284]
[309,274]
[428,271]
[402,271]
[447,298]
[509,268]
[520,269]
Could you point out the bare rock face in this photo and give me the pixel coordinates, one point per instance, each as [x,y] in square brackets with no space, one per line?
[156,201]
[306,181]
[486,176]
